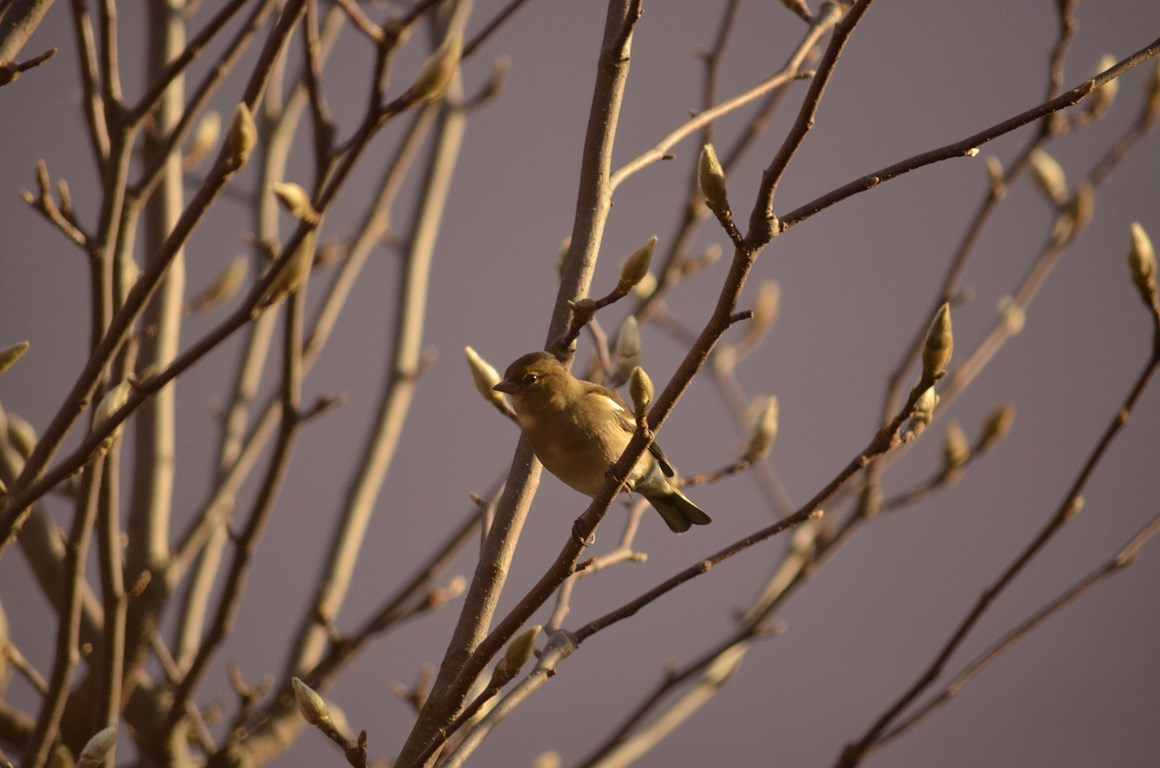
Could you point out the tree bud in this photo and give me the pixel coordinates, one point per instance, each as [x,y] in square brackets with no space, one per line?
[242,139]
[1049,176]
[9,355]
[956,449]
[764,431]
[626,351]
[1142,263]
[635,267]
[940,344]
[439,69]
[310,703]
[640,386]
[296,201]
[997,426]
[712,179]
[485,377]
[1103,96]
[96,750]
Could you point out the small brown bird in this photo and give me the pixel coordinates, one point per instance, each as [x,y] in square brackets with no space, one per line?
[579,429]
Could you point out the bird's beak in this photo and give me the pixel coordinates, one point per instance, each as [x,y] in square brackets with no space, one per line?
[506,386]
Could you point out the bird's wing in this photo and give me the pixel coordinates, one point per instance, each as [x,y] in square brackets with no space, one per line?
[627,422]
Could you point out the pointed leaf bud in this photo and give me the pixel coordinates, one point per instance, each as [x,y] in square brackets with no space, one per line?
[956,449]
[112,402]
[242,139]
[205,138]
[923,413]
[1077,214]
[439,69]
[1103,96]
[296,201]
[1049,176]
[1153,108]
[800,8]
[96,750]
[995,172]
[1012,315]
[635,267]
[940,344]
[712,179]
[764,432]
[310,703]
[549,759]
[565,249]
[21,435]
[1142,263]
[646,287]
[997,426]
[765,310]
[9,355]
[224,287]
[626,351]
[485,378]
[640,386]
[293,276]
[520,650]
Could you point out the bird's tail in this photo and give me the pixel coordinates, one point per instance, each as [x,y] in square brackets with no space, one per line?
[678,511]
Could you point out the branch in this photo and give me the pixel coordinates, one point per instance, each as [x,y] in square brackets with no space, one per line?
[966,147]
[762,219]
[593,204]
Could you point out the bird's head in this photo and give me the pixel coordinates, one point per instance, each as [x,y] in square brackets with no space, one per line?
[534,379]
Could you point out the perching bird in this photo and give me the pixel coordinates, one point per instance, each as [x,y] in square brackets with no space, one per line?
[579,429]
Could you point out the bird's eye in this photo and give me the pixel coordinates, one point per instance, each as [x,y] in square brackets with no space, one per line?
[529,379]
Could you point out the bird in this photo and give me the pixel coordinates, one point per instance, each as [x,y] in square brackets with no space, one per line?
[578,429]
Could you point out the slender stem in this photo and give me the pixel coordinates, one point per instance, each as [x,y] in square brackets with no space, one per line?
[67,653]
[593,204]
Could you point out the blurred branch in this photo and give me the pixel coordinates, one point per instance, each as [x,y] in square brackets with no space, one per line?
[791,71]
[395,396]
[250,535]
[67,652]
